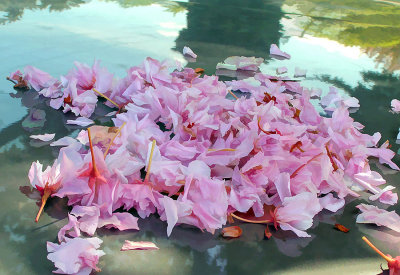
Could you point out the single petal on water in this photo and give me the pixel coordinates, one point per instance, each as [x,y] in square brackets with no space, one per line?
[131,245]
[231,232]
[44,137]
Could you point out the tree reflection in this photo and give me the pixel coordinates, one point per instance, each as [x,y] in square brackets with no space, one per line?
[15,9]
[372,25]
[219,29]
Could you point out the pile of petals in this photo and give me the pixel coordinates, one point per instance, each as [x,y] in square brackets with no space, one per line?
[185,148]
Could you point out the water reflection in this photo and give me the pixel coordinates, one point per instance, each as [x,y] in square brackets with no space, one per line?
[239,28]
[215,30]
[14,10]
[372,25]
[374,93]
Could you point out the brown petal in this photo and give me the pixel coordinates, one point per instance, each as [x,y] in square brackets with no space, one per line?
[199,70]
[341,228]
[232,232]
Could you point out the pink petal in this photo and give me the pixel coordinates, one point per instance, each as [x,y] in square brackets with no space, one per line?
[299,72]
[188,51]
[81,121]
[121,221]
[44,137]
[395,105]
[281,70]
[331,203]
[130,245]
[275,51]
[380,217]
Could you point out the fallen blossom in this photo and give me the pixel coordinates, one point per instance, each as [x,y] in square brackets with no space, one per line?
[297,213]
[130,245]
[201,152]
[47,182]
[393,263]
[75,256]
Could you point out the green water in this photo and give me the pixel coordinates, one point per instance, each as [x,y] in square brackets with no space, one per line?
[352,44]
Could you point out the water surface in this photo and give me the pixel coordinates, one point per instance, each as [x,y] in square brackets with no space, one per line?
[354,45]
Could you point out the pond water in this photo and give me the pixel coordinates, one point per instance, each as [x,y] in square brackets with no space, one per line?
[354,45]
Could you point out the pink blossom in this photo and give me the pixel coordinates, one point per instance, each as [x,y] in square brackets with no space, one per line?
[75,256]
[47,182]
[297,212]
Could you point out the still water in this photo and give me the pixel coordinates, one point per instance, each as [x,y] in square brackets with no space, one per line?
[354,45]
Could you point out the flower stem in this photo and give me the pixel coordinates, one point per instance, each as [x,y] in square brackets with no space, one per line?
[222,150]
[46,195]
[150,159]
[303,165]
[250,221]
[232,94]
[101,94]
[387,258]
[94,167]
[9,79]
[112,141]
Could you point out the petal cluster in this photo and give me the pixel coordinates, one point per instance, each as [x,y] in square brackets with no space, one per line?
[183,148]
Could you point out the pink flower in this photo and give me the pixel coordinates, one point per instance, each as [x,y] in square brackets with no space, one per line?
[75,256]
[36,78]
[88,218]
[297,213]
[47,182]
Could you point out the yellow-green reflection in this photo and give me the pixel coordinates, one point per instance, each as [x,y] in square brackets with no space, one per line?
[372,25]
